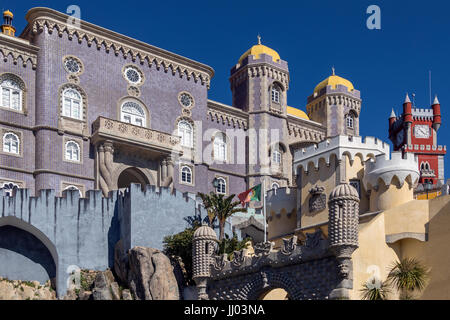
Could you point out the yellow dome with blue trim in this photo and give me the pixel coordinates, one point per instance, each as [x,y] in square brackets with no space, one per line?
[333,81]
[297,113]
[259,49]
[8,13]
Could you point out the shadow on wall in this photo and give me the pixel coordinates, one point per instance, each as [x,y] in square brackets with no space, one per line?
[24,257]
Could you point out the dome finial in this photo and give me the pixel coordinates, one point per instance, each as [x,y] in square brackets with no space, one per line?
[333,70]
[259,39]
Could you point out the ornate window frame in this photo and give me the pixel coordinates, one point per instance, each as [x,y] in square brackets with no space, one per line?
[19,184]
[14,77]
[78,60]
[138,70]
[18,134]
[191,96]
[191,168]
[227,184]
[126,99]
[79,142]
[83,111]
[191,123]
[273,87]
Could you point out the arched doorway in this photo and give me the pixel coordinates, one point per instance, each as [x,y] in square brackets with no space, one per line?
[24,257]
[275,294]
[129,176]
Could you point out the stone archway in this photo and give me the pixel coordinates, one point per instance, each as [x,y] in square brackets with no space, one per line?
[26,253]
[131,175]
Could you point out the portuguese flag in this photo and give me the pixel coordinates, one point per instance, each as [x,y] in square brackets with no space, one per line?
[253,194]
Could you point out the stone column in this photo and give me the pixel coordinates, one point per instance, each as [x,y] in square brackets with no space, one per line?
[167,171]
[106,155]
[343,222]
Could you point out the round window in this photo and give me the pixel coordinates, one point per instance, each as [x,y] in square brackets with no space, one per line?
[186,100]
[132,75]
[72,65]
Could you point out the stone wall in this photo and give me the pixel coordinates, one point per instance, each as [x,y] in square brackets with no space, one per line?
[82,232]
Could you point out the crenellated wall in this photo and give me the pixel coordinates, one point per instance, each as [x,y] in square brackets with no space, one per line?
[82,232]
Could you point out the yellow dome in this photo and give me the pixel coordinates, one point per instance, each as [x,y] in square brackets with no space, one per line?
[333,81]
[8,13]
[258,49]
[297,113]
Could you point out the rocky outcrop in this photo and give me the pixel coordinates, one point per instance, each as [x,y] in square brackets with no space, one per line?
[25,290]
[147,272]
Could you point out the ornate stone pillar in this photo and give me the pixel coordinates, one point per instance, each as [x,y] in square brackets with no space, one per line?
[106,163]
[203,248]
[167,171]
[343,221]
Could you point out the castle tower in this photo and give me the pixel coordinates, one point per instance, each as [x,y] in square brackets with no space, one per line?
[7,27]
[203,247]
[259,84]
[343,221]
[336,104]
[415,131]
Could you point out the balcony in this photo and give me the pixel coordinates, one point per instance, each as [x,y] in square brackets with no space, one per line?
[127,135]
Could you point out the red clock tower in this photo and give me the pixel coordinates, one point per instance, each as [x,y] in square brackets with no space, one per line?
[415,131]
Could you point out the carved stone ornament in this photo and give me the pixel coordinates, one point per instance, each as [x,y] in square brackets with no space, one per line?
[263,248]
[289,245]
[313,239]
[318,199]
[238,258]
[344,270]
[219,262]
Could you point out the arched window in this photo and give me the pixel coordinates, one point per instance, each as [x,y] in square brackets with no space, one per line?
[220,147]
[185,131]
[11,143]
[9,188]
[422,166]
[350,121]
[132,112]
[73,188]
[72,104]
[275,186]
[276,93]
[186,174]
[11,94]
[72,151]
[221,186]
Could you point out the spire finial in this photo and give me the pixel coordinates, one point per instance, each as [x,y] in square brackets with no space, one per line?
[259,39]
[436,101]
[393,114]
[407,100]
[333,70]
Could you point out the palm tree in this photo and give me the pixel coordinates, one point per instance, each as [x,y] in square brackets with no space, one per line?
[373,292]
[408,275]
[221,208]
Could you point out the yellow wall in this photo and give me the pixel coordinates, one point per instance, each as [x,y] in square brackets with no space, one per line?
[281,223]
[387,197]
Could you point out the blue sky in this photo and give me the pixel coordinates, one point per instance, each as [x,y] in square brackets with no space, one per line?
[312,36]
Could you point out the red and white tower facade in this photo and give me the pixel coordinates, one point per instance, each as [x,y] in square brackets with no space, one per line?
[415,131]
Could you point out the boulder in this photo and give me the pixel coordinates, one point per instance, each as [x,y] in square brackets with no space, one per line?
[102,286]
[115,290]
[151,276]
[126,295]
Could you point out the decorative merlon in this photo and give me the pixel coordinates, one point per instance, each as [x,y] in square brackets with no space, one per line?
[16,49]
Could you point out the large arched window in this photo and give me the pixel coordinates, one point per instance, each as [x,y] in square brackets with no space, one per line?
[186,175]
[72,104]
[220,147]
[11,94]
[185,131]
[132,112]
[221,186]
[11,143]
[72,152]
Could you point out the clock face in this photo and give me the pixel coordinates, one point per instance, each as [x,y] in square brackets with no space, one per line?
[422,131]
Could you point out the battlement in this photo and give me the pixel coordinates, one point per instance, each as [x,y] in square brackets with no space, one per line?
[403,167]
[281,200]
[425,114]
[329,90]
[315,247]
[339,146]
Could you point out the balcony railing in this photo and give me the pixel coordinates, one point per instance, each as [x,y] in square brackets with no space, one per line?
[125,133]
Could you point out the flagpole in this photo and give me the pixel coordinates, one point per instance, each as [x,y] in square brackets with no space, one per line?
[264,208]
